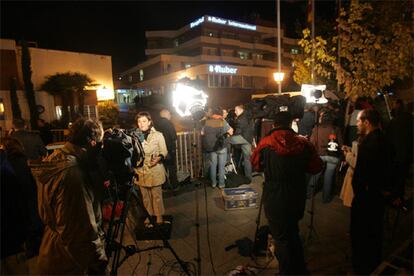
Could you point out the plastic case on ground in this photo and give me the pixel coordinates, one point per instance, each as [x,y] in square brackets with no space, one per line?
[239,198]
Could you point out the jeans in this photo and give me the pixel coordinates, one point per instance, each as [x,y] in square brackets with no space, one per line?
[328,177]
[220,157]
[246,148]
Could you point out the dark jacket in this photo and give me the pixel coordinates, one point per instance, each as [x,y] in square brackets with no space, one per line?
[285,158]
[244,127]
[214,129]
[32,144]
[14,216]
[168,131]
[373,166]
[305,125]
[321,139]
[400,135]
[46,134]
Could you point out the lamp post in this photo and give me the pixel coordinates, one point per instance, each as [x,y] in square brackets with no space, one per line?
[279,67]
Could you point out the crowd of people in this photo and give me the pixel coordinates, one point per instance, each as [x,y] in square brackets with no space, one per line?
[379,162]
[56,201]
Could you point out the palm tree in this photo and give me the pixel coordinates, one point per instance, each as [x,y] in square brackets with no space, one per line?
[68,86]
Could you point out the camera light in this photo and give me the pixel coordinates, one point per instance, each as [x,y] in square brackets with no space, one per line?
[187,99]
[314,93]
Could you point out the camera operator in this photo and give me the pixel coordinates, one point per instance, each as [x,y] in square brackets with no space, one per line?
[285,157]
[69,207]
[243,136]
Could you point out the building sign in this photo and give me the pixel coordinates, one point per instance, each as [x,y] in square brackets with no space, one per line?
[222,69]
[197,22]
[222,21]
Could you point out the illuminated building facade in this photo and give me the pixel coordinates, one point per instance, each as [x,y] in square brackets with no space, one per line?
[231,60]
[46,62]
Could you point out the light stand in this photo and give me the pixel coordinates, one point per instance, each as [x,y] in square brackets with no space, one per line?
[197,217]
[188,100]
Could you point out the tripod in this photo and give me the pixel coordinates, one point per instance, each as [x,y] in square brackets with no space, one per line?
[116,230]
[311,212]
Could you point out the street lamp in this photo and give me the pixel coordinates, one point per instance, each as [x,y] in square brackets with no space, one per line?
[279,66]
[278,77]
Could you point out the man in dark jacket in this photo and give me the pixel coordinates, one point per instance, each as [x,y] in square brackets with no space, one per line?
[167,129]
[243,136]
[45,133]
[32,143]
[370,185]
[285,158]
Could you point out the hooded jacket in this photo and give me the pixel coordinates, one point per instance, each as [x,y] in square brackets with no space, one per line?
[285,158]
[72,243]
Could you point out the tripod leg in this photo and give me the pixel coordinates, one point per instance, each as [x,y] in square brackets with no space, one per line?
[182,264]
[312,211]
[258,219]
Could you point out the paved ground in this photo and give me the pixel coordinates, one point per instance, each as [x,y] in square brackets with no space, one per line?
[327,252]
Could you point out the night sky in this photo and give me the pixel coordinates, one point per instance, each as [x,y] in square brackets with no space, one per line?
[118,28]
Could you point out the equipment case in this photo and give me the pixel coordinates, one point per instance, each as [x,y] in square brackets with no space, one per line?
[239,198]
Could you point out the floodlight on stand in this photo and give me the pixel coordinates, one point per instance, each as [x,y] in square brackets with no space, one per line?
[314,93]
[189,101]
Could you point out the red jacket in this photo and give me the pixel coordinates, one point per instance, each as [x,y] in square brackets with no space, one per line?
[286,142]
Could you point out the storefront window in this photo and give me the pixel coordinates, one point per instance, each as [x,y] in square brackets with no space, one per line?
[236,81]
[247,82]
[213,80]
[225,81]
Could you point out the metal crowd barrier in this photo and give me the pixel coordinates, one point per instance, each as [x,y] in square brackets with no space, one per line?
[189,154]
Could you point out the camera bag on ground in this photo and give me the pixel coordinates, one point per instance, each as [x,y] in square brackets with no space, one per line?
[234,180]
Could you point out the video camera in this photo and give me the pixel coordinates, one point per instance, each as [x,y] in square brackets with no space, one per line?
[269,106]
[123,152]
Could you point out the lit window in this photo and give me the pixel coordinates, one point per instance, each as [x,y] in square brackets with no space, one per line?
[141,75]
[130,78]
[243,55]
[210,34]
[176,43]
[294,51]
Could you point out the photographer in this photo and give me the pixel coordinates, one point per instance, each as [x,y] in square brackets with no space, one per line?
[69,206]
[214,144]
[151,175]
[285,157]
